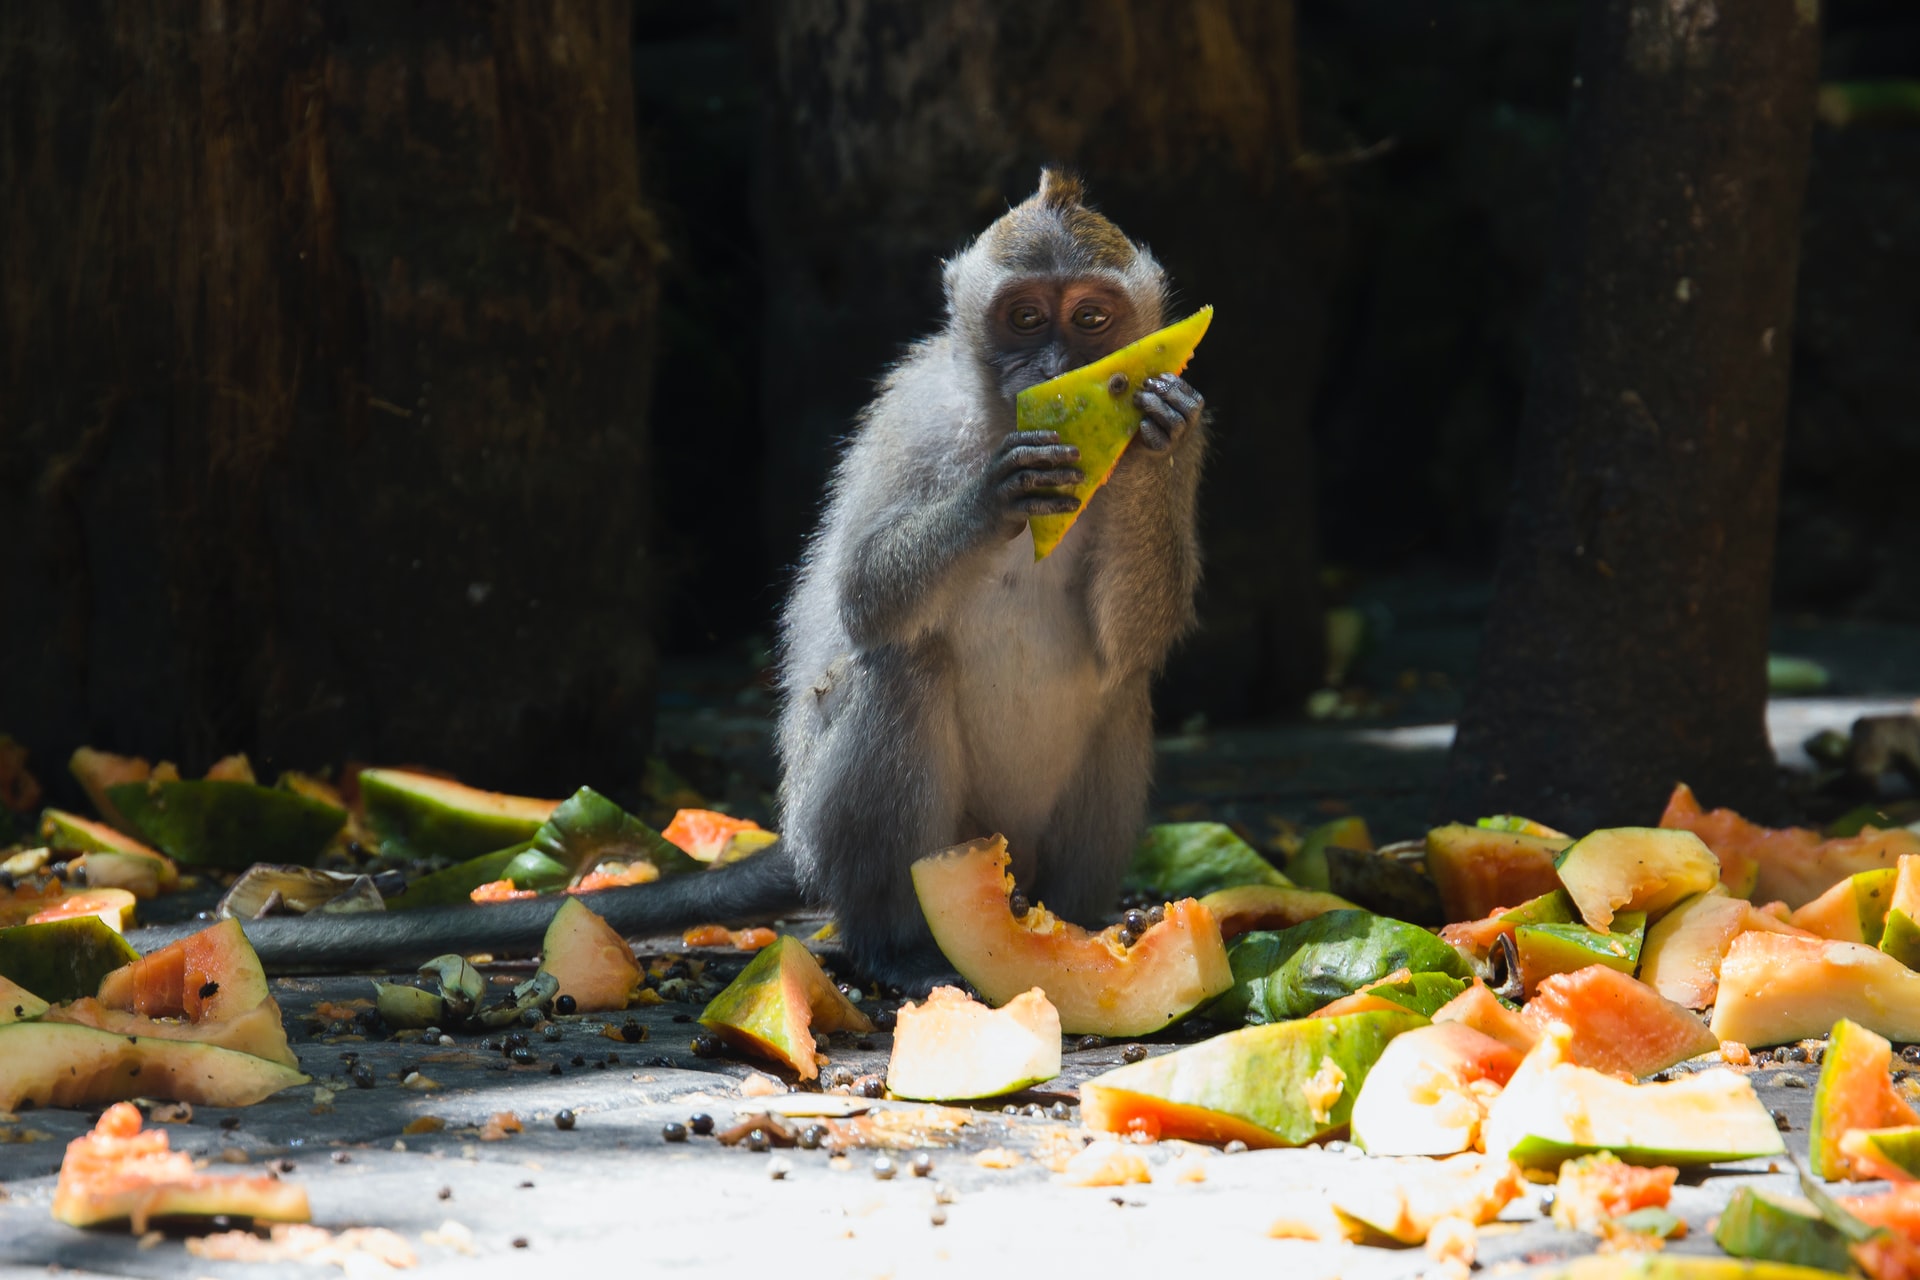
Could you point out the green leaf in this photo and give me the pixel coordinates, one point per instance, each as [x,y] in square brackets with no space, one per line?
[1423,992]
[1192,859]
[588,829]
[1291,973]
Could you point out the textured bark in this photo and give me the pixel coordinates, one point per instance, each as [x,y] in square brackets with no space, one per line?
[326,334]
[898,130]
[1626,646]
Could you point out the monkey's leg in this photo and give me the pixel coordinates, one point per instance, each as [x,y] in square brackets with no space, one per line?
[1096,823]
[879,786]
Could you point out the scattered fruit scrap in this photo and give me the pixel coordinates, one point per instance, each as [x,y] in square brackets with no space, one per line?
[121,1172]
[1587,1010]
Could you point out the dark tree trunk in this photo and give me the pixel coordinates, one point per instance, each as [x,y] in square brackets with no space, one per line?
[327,334]
[1626,646]
[899,130]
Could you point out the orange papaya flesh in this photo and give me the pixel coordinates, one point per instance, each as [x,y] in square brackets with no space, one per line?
[772,1008]
[1855,1091]
[118,1171]
[1480,1009]
[1092,409]
[113,907]
[208,988]
[704,834]
[589,959]
[1479,871]
[1795,864]
[1099,984]
[1619,1024]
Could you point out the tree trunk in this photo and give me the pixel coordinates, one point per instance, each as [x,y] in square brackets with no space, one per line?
[899,130]
[1626,646]
[327,333]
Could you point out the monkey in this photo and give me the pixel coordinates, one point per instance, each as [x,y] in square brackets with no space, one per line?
[936,682]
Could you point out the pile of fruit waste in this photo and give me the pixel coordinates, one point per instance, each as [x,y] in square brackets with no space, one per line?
[1520,1006]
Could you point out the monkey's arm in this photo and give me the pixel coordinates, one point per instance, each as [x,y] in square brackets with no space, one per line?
[897,567]
[1140,591]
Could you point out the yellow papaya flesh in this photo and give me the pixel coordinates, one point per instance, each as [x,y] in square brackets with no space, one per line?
[1092,409]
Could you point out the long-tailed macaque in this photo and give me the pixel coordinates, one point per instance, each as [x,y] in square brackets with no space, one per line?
[937,684]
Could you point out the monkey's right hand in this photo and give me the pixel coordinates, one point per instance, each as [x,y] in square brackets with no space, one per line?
[1026,477]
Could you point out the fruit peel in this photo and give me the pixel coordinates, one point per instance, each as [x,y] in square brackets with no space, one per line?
[775,1004]
[952,1048]
[1092,409]
[1100,985]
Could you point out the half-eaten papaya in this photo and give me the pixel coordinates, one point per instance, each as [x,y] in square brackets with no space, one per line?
[1100,985]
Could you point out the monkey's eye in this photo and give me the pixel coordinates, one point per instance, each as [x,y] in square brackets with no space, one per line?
[1026,317]
[1090,316]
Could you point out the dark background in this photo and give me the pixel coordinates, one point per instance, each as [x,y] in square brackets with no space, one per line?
[403,381]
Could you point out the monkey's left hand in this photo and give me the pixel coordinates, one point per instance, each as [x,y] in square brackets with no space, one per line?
[1172,408]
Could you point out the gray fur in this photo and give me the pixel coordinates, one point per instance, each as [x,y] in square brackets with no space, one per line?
[937,684]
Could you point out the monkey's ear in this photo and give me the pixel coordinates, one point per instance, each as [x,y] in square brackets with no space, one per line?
[1060,188]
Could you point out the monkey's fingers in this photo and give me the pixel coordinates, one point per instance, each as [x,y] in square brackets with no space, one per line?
[1046,504]
[1053,457]
[1163,424]
[1057,478]
[1029,439]
[1174,390]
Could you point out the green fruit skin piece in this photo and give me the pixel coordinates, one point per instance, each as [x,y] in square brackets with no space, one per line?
[755,1006]
[588,828]
[413,821]
[1898,1146]
[1756,1225]
[1646,869]
[1548,908]
[526,866]
[228,824]
[63,1064]
[1901,938]
[1257,1074]
[1562,948]
[1192,859]
[1309,866]
[67,831]
[1669,1266]
[405,1006]
[1872,893]
[757,1009]
[1289,974]
[1564,1111]
[62,960]
[1854,1054]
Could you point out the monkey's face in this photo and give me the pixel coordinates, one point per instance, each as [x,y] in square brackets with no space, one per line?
[1039,328]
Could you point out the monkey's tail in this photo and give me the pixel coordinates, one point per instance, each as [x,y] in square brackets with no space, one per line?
[758,888]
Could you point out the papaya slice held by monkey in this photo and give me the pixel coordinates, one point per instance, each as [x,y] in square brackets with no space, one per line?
[1092,409]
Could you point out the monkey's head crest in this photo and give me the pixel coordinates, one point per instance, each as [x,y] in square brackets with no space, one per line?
[1050,233]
